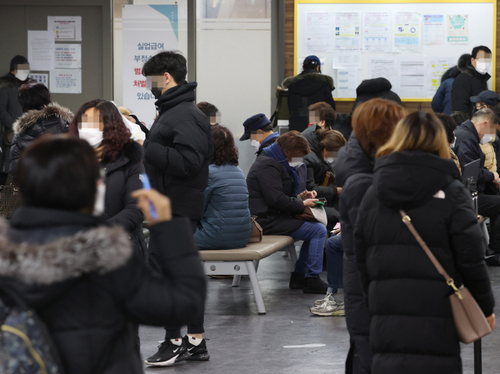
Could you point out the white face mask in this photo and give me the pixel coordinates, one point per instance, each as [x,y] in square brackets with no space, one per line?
[452,145]
[22,74]
[294,164]
[482,67]
[329,159]
[93,136]
[486,138]
[255,143]
[99,199]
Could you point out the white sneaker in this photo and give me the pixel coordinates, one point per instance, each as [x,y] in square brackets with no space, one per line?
[327,297]
[329,308]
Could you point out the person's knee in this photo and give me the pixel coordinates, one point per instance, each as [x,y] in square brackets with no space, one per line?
[320,230]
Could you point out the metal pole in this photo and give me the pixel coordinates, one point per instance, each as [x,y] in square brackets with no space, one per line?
[478,367]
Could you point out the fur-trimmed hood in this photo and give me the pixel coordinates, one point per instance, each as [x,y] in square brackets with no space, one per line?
[471,70]
[101,249]
[31,117]
[8,81]
[309,76]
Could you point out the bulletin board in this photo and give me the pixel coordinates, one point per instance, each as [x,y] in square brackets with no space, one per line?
[411,43]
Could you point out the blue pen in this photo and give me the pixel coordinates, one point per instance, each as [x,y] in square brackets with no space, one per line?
[147,186]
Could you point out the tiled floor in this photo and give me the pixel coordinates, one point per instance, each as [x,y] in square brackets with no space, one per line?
[243,342]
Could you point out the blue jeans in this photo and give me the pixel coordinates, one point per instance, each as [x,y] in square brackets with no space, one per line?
[310,261]
[335,263]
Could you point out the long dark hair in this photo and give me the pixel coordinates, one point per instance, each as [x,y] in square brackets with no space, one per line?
[225,151]
[115,135]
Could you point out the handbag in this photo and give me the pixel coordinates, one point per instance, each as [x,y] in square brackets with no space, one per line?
[469,319]
[314,214]
[10,200]
[256,233]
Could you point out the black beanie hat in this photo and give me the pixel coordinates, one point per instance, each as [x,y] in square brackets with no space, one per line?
[17,60]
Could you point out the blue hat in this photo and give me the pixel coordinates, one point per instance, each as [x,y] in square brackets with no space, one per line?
[254,123]
[314,59]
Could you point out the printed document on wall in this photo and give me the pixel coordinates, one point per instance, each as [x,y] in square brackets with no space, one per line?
[68,56]
[318,33]
[347,82]
[412,77]
[347,30]
[458,29]
[384,67]
[346,58]
[436,67]
[434,29]
[67,81]
[41,50]
[65,28]
[407,33]
[376,32]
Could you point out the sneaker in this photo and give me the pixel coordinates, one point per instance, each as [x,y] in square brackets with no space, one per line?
[330,307]
[297,281]
[492,259]
[194,352]
[315,285]
[327,297]
[168,354]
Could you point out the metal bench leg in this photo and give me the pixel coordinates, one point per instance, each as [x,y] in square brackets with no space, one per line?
[256,288]
[478,367]
[256,264]
[293,254]
[236,280]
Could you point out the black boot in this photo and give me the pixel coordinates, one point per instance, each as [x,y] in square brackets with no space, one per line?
[315,285]
[297,281]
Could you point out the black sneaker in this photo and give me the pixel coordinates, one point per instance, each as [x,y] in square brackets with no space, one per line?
[168,354]
[315,285]
[194,352]
[492,259]
[297,281]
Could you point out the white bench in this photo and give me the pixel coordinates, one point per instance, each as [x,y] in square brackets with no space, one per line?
[245,261]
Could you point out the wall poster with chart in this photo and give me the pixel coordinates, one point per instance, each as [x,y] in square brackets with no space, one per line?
[409,43]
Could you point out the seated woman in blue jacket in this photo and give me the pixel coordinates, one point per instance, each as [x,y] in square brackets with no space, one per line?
[226,222]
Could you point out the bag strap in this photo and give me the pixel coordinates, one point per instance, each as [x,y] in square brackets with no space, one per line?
[435,262]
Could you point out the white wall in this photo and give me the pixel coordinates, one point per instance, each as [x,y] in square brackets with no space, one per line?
[234,72]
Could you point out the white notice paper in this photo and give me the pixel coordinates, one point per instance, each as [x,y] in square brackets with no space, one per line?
[347,30]
[384,67]
[433,29]
[68,56]
[436,67]
[412,77]
[41,50]
[66,81]
[346,58]
[66,28]
[376,32]
[40,78]
[347,83]
[407,35]
[318,32]
[458,29]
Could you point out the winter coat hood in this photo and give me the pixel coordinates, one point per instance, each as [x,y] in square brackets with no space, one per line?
[99,249]
[9,80]
[28,119]
[176,95]
[307,83]
[352,160]
[312,139]
[471,70]
[371,86]
[405,180]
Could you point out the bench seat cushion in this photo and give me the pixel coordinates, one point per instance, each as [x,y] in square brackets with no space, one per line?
[253,251]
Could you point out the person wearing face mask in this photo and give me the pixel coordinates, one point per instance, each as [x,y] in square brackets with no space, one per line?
[259,130]
[468,149]
[450,125]
[40,116]
[10,108]
[100,123]
[472,80]
[276,198]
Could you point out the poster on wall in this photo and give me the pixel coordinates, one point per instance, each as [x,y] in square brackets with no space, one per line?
[68,81]
[458,29]
[41,50]
[68,56]
[376,32]
[407,33]
[65,28]
[147,30]
[434,29]
[347,30]
[318,33]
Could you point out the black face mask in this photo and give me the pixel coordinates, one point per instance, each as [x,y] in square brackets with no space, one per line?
[156,91]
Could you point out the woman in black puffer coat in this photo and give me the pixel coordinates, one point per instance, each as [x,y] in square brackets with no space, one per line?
[40,116]
[121,159]
[412,328]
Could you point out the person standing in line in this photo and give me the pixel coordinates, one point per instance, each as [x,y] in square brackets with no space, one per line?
[373,122]
[211,111]
[412,327]
[177,153]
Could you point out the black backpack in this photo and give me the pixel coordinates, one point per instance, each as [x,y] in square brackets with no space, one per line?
[25,342]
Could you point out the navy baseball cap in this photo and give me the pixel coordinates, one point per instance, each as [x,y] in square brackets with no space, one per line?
[254,123]
[313,58]
[488,97]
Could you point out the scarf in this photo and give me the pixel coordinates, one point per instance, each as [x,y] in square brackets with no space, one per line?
[274,151]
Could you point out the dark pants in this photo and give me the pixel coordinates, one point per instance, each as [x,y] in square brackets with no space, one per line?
[174,332]
[335,262]
[489,206]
